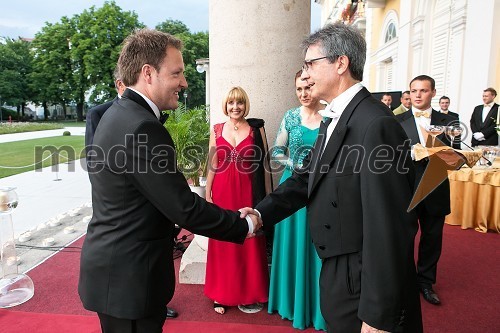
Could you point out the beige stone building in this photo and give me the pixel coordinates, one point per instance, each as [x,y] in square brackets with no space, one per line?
[457,42]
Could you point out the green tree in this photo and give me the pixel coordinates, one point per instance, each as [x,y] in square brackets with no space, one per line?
[195,47]
[98,42]
[52,80]
[173,27]
[15,67]
[75,58]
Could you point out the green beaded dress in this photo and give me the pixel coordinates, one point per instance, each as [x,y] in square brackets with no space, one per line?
[295,269]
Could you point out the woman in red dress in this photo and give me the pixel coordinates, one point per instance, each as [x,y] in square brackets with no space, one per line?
[237,275]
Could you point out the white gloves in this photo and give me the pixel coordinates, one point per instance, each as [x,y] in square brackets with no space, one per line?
[479,136]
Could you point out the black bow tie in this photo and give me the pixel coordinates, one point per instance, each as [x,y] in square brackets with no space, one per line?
[163,118]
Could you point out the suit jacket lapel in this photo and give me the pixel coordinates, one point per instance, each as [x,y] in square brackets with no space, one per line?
[316,152]
[336,140]
[410,128]
[489,117]
[132,95]
[438,118]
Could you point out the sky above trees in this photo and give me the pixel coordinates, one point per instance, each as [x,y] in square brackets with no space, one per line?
[25,18]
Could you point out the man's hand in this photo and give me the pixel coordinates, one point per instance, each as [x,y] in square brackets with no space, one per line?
[247,210]
[253,215]
[365,328]
[257,224]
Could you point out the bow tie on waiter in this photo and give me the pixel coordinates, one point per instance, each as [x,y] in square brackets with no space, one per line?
[421,114]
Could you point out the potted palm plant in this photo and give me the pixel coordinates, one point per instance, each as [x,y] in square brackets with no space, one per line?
[190,131]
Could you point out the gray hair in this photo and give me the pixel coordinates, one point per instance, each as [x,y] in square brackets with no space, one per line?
[339,39]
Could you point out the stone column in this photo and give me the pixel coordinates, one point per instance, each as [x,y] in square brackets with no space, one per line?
[256,45]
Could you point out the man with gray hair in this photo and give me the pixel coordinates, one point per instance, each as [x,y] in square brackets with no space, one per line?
[357,184]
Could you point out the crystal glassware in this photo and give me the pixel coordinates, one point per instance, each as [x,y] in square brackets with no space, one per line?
[434,131]
[452,132]
[15,288]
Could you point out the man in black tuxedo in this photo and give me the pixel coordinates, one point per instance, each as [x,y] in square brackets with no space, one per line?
[433,209]
[94,116]
[126,269]
[357,184]
[483,120]
[444,104]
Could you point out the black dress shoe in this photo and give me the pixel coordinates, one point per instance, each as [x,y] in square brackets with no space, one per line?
[171,313]
[430,296]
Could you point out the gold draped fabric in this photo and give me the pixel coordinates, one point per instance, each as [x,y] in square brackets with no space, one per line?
[475,198]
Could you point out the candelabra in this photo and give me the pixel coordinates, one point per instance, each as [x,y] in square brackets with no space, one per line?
[15,288]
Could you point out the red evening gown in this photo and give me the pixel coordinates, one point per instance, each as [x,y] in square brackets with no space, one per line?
[236,274]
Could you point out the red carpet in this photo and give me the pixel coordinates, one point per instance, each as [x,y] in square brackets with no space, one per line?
[22,322]
[467,284]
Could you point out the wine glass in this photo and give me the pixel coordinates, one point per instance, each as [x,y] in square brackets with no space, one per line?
[491,153]
[453,131]
[434,130]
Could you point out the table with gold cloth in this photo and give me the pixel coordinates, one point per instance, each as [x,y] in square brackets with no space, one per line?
[475,198]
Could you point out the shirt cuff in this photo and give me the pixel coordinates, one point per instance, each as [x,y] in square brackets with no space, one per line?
[250,224]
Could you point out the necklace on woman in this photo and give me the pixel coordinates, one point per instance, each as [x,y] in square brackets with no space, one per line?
[235,126]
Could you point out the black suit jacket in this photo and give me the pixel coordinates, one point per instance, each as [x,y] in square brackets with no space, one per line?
[487,127]
[93,118]
[453,114]
[358,204]
[437,203]
[138,195]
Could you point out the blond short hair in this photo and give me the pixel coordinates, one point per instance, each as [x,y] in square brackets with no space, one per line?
[237,94]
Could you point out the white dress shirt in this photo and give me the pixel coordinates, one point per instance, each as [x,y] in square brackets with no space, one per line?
[336,107]
[422,123]
[486,110]
[153,106]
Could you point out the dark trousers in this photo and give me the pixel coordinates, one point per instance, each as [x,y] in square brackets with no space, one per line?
[340,291]
[152,324]
[429,249]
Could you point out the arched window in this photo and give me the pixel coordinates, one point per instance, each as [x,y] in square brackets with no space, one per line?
[390,33]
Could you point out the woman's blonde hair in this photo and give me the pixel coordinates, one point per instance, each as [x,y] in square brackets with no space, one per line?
[237,94]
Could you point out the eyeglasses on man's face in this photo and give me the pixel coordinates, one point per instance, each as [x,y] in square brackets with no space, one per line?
[307,63]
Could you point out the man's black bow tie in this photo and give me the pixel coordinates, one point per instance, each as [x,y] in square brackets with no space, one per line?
[163,118]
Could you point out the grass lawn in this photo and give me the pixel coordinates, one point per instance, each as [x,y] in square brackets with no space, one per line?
[28,155]
[71,123]
[8,128]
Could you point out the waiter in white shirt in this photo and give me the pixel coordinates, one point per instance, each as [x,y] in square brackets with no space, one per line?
[484,120]
[433,209]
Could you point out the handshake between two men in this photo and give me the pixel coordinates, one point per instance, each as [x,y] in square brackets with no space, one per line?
[253,218]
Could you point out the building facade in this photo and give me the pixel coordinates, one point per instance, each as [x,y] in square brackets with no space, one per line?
[457,42]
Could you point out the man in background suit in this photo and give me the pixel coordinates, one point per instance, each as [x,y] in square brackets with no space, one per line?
[444,104]
[126,266]
[483,120]
[386,99]
[405,103]
[356,205]
[94,115]
[433,209]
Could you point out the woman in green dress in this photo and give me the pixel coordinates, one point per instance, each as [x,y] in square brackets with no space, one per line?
[294,285]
